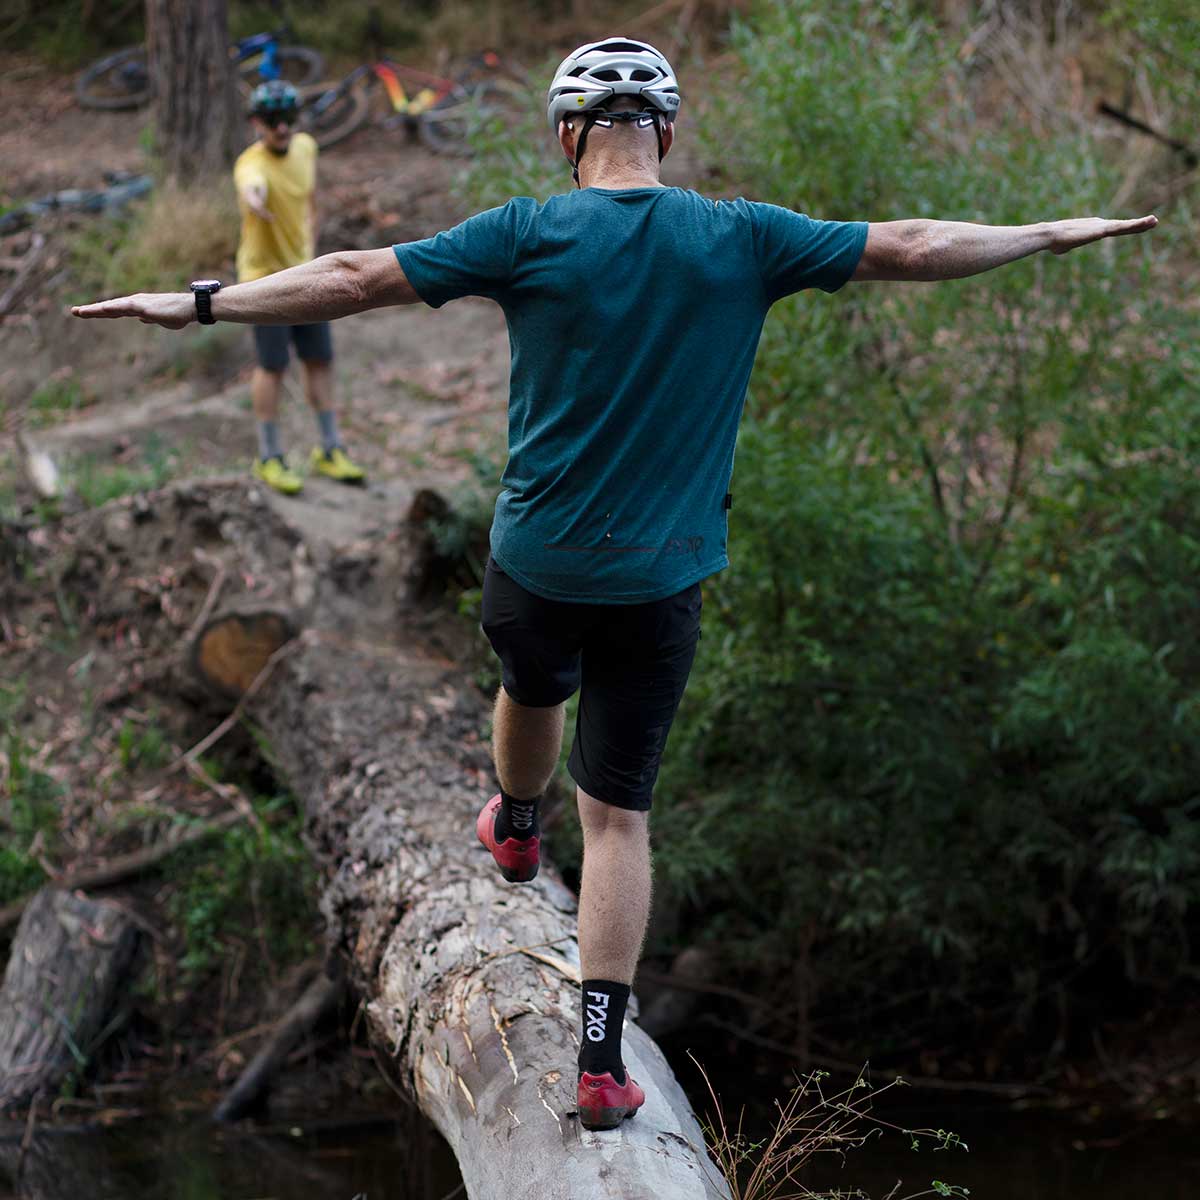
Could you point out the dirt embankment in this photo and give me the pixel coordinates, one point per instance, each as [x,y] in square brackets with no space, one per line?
[92,722]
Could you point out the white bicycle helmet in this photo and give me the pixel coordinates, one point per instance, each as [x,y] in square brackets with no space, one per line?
[588,78]
[592,75]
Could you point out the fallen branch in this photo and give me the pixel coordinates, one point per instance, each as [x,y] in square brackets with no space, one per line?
[319,998]
[126,865]
[1190,156]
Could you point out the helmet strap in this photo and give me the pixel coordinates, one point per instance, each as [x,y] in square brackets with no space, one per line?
[607,119]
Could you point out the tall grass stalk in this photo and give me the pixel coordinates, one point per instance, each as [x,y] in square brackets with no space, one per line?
[809,1123]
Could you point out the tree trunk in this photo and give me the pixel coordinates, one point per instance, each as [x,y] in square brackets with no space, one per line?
[195,101]
[471,985]
[66,970]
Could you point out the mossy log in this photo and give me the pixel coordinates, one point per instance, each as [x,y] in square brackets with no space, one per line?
[66,971]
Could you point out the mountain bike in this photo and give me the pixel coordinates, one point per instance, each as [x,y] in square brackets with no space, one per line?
[122,80]
[441,111]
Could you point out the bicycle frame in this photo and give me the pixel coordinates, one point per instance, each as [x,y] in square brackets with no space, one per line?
[267,44]
[401,102]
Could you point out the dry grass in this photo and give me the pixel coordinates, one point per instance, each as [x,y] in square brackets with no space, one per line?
[807,1124]
[180,234]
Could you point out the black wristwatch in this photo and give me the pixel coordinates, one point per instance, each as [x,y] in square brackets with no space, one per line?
[203,290]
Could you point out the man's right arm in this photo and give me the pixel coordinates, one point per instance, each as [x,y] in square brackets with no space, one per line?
[923,250]
[334,285]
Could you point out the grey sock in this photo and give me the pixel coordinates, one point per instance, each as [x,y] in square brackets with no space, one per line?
[268,440]
[327,420]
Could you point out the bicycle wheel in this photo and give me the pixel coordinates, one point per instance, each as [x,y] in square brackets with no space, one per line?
[120,80]
[447,127]
[332,114]
[298,65]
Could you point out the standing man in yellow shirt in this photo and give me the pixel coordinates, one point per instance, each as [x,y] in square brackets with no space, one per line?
[276,179]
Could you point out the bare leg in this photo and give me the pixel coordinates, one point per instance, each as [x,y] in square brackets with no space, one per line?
[525,744]
[614,897]
[265,389]
[318,385]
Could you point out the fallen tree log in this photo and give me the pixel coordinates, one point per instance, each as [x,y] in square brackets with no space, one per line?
[65,972]
[471,985]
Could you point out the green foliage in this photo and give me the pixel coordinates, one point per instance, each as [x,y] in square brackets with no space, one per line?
[254,885]
[58,395]
[1162,41]
[145,746]
[97,482]
[948,698]
[28,802]
[514,153]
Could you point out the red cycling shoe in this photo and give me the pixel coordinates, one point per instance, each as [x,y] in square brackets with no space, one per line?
[604,1103]
[518,860]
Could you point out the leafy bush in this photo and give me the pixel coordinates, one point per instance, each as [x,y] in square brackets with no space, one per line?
[946,713]
[939,751]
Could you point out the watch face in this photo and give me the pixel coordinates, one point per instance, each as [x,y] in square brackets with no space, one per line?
[207,285]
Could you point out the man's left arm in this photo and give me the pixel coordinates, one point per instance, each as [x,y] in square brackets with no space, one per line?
[926,251]
[332,286]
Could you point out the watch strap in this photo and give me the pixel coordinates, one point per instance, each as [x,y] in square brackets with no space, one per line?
[204,308]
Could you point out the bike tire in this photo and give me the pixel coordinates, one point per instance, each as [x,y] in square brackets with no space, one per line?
[331,119]
[300,66]
[120,80]
[446,127]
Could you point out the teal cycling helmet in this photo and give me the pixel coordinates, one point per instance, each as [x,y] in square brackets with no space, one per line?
[275,98]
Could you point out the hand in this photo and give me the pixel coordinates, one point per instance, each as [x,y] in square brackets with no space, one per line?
[173,310]
[255,196]
[1067,235]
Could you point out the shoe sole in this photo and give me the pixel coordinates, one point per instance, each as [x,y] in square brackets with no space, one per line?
[282,491]
[516,876]
[605,1118]
[361,481]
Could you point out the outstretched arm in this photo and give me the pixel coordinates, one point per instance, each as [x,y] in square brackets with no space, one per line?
[334,285]
[932,250]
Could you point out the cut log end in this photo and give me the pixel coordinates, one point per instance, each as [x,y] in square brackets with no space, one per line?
[231,650]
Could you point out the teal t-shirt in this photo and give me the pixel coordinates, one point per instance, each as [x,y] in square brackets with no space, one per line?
[633,320]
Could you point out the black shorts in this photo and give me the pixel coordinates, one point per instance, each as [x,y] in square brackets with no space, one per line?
[630,663]
[314,343]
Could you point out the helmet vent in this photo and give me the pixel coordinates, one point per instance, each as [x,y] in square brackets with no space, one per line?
[609,76]
[643,76]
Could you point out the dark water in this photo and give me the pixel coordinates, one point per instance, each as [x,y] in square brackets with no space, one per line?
[161,1160]
[1024,1156]
[1019,1155]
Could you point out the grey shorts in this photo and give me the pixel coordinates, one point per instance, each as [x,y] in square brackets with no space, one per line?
[314,343]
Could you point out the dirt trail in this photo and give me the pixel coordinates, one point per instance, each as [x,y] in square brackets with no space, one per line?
[418,390]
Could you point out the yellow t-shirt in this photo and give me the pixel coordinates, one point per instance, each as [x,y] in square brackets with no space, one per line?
[269,246]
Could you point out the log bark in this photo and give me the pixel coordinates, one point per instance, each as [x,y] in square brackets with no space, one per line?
[471,985]
[65,972]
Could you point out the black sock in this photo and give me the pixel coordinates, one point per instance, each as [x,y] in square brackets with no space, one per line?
[603,1015]
[517,818]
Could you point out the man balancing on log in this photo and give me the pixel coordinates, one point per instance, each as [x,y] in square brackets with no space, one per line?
[634,312]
